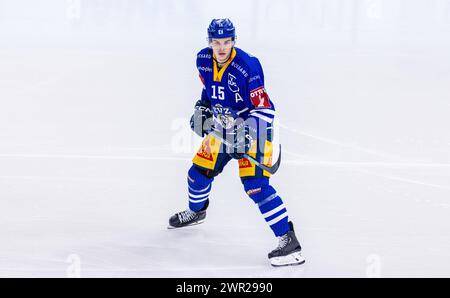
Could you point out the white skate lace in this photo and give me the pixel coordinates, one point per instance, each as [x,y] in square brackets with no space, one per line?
[284,240]
[186,215]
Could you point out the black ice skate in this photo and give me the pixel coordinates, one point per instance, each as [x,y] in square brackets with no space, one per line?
[288,251]
[187,218]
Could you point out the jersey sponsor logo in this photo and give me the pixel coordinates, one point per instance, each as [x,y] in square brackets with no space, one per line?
[205,151]
[259,98]
[244,163]
[232,85]
[240,68]
[204,56]
[253,78]
[219,109]
[205,68]
[254,191]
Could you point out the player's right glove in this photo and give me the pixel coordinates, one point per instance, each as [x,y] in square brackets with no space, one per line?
[202,119]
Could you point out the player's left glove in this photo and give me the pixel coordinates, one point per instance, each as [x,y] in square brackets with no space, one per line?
[202,119]
[242,137]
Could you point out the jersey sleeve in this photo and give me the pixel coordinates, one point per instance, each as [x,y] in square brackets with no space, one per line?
[260,105]
[204,97]
[201,73]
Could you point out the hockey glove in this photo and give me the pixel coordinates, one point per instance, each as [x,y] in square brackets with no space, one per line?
[202,119]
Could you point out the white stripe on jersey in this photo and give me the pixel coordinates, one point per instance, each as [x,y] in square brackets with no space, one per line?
[267,111]
[265,118]
[242,111]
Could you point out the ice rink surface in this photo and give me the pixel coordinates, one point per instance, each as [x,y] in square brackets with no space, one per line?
[95,99]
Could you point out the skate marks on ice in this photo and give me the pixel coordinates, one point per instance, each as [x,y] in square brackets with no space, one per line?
[114,220]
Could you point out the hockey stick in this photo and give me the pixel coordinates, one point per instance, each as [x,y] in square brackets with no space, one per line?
[272,170]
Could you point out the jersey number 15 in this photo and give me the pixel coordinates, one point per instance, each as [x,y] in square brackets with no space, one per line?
[220,92]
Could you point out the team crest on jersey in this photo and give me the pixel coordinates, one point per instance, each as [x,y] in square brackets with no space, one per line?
[224,115]
[226,121]
[232,83]
[259,98]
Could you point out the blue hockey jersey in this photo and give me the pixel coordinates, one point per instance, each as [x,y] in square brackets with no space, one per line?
[237,89]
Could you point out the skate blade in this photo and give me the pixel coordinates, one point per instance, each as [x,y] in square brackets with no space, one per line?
[292,259]
[192,224]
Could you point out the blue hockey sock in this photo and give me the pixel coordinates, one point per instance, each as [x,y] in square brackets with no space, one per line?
[270,204]
[199,187]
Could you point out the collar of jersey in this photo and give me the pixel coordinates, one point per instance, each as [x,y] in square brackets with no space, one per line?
[218,74]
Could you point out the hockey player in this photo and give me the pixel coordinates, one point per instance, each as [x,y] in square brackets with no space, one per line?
[234,106]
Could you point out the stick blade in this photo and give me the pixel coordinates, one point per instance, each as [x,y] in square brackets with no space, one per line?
[274,168]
